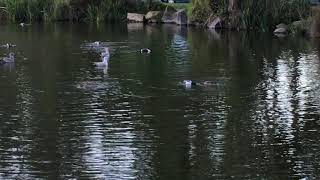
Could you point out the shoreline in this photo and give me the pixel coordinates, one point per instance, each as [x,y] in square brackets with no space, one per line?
[308,26]
[232,19]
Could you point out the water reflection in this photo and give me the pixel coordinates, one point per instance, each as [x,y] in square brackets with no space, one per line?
[284,99]
[62,118]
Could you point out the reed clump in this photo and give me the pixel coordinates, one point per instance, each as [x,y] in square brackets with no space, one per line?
[57,10]
[252,14]
[265,14]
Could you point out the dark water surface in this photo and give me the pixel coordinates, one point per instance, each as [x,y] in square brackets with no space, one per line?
[62,118]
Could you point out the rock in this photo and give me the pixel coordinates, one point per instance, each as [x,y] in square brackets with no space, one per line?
[282,25]
[134,17]
[169,15]
[154,16]
[181,17]
[280,31]
[215,23]
[173,16]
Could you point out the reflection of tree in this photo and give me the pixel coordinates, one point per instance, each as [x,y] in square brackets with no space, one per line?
[280,109]
[12,128]
[267,90]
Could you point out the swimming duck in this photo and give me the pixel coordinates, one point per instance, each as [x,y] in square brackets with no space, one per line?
[97,43]
[8,45]
[105,58]
[189,83]
[105,53]
[9,59]
[145,51]
[24,24]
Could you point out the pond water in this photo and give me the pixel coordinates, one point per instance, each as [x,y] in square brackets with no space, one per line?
[254,113]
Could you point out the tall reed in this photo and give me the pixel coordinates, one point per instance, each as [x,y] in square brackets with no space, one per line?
[264,14]
[47,10]
[258,14]
[106,10]
[25,10]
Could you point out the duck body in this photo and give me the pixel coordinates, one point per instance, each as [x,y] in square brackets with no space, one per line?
[97,43]
[105,58]
[7,60]
[24,24]
[2,62]
[103,63]
[189,83]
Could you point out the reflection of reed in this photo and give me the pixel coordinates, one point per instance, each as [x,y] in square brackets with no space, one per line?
[110,143]
[207,137]
[16,159]
[286,93]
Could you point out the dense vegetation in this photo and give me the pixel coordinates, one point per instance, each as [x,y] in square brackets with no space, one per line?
[248,14]
[260,14]
[47,10]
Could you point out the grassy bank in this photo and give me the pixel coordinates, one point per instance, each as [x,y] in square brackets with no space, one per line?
[250,14]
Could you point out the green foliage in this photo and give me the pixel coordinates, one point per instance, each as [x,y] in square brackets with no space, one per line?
[187,6]
[106,10]
[17,9]
[89,10]
[28,10]
[58,10]
[260,14]
[219,7]
[264,14]
[200,10]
